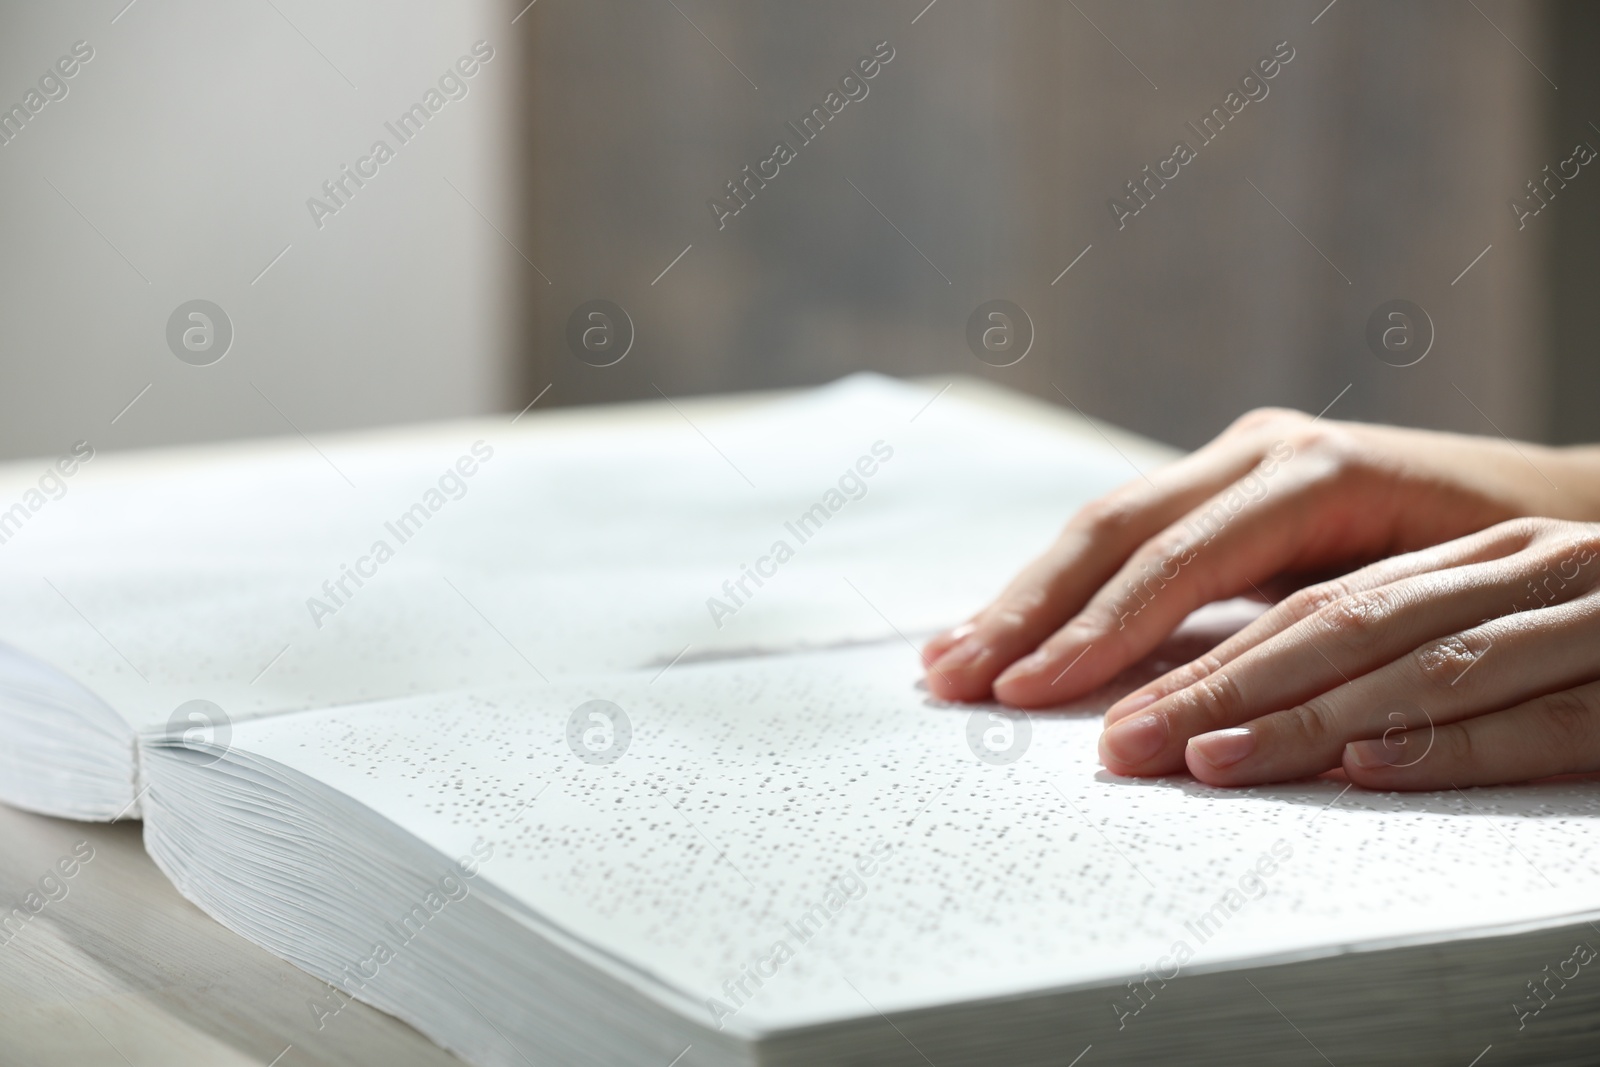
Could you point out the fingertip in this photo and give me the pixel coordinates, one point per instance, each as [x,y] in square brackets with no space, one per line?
[964,672]
[1174,681]
[1224,748]
[1029,691]
[937,646]
[1376,765]
[1370,755]
[960,691]
[1026,667]
[1049,676]
[1133,744]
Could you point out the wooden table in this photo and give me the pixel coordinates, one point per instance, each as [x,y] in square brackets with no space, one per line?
[122,970]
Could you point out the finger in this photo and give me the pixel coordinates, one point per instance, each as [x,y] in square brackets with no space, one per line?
[938,646]
[1493,544]
[1481,670]
[963,664]
[1204,471]
[1558,733]
[1498,542]
[1254,529]
[1349,638]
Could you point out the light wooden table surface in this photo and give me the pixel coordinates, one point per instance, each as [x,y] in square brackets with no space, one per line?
[122,971]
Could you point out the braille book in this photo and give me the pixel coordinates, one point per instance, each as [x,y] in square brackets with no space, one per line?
[599,738]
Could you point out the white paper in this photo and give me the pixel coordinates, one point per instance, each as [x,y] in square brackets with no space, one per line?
[584,549]
[748,787]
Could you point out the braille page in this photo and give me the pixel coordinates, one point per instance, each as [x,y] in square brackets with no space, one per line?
[844,514]
[818,821]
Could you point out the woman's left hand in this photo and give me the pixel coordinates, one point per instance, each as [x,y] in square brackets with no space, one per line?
[1474,662]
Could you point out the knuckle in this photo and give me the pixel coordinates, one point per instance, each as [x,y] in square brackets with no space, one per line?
[1098,622]
[1216,698]
[1102,621]
[1585,548]
[1152,569]
[1536,526]
[1443,661]
[1575,547]
[1314,598]
[1012,611]
[1167,551]
[1335,448]
[1310,437]
[1502,539]
[1355,621]
[1305,726]
[1182,677]
[1570,720]
[1452,744]
[1105,517]
[1523,530]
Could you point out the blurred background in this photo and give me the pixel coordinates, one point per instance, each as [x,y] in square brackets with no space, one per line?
[540,157]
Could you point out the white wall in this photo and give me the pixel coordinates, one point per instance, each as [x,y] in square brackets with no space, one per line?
[190,144]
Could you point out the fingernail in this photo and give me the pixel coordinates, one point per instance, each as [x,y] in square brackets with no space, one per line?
[1128,705]
[1224,748]
[1032,663]
[1371,754]
[963,655]
[1135,740]
[945,641]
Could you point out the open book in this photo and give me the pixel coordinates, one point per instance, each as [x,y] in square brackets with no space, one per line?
[600,741]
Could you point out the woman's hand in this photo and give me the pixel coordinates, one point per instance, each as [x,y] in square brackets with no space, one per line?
[1471,663]
[1278,494]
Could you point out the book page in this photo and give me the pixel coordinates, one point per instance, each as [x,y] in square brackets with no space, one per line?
[292,577]
[816,820]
